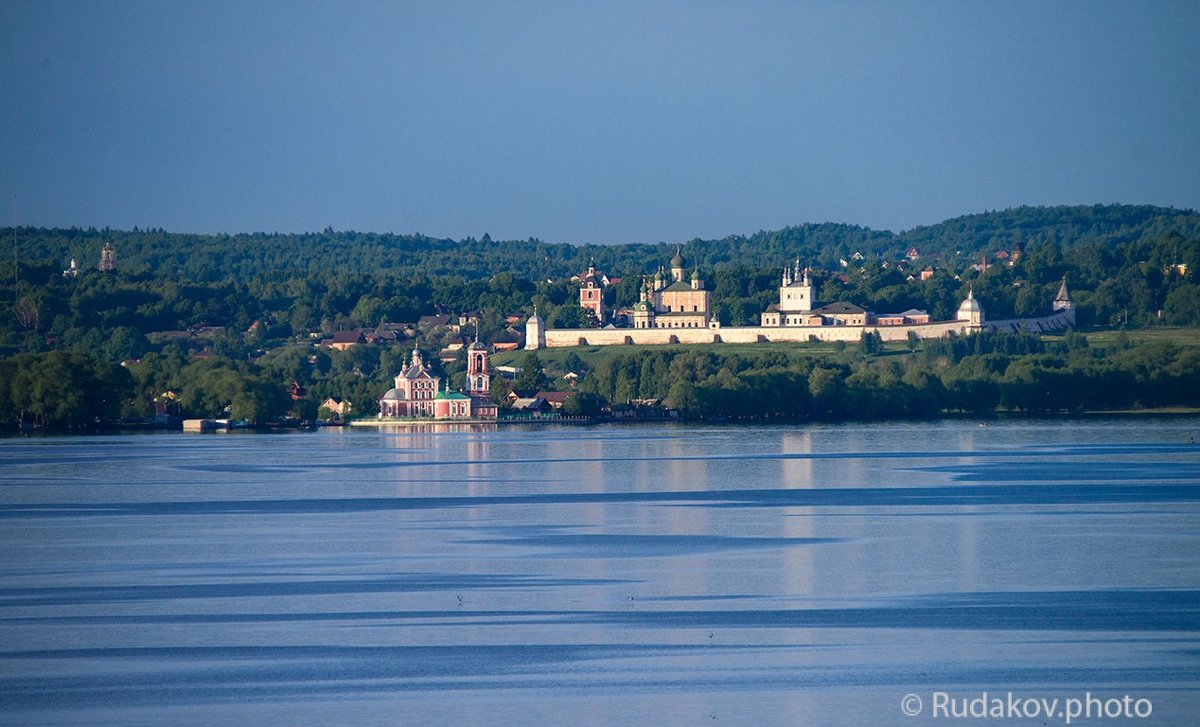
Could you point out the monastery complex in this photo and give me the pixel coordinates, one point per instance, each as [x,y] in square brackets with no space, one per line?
[674,310]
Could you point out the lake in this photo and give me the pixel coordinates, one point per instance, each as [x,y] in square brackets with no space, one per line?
[664,574]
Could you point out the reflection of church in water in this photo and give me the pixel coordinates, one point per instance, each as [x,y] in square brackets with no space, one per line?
[419,395]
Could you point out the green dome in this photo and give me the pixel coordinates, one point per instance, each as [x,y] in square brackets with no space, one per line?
[677,261]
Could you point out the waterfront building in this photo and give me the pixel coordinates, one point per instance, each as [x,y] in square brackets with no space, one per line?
[479,387]
[418,393]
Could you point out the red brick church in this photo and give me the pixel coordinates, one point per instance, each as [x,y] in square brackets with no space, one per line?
[418,393]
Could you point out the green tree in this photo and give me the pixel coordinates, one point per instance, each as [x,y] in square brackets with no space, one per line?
[575,364]
[870,343]
[1182,306]
[583,403]
[573,316]
[532,377]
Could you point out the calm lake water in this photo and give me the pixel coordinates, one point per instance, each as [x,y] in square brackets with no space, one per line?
[608,575]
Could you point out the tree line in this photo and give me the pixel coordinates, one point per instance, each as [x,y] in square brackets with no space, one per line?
[979,374]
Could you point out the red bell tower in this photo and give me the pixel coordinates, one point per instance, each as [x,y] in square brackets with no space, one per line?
[591,291]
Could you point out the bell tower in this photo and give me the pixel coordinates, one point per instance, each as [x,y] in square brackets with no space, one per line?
[478,379]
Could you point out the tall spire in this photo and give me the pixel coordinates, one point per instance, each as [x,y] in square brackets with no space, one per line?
[1063,296]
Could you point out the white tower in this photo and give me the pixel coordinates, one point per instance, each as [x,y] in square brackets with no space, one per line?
[535,332]
[796,292]
[971,310]
[1063,302]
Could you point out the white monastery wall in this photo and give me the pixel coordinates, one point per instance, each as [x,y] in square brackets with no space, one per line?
[559,338]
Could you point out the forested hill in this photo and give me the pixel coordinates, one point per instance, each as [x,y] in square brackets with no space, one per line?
[216,258]
[1069,227]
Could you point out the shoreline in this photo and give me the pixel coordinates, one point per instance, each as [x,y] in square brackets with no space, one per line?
[493,423]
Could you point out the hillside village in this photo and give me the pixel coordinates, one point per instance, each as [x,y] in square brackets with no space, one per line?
[276,343]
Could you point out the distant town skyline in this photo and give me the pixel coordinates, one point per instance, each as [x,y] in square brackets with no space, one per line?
[589,123]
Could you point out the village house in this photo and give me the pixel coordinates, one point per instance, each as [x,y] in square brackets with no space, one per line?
[339,408]
[343,340]
[440,320]
[531,404]
[555,399]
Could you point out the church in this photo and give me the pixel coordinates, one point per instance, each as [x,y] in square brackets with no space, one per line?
[673,303]
[796,306]
[417,393]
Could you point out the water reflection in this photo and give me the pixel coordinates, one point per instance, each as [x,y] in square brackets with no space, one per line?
[765,575]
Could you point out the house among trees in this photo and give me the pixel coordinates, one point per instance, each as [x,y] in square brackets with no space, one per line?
[555,399]
[530,404]
[339,408]
[345,339]
[440,320]
[383,335]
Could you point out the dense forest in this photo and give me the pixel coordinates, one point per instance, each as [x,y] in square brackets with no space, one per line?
[240,312]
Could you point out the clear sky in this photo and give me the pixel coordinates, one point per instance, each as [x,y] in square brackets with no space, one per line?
[589,121]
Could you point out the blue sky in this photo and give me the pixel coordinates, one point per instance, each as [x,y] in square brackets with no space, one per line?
[589,121]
